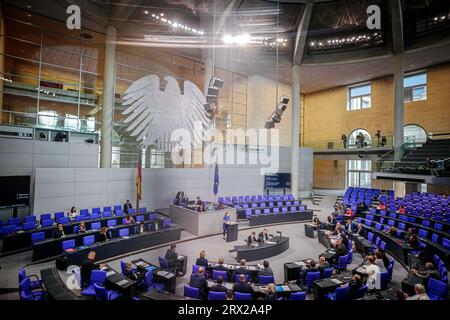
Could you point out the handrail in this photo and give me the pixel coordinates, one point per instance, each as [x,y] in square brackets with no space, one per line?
[390,151]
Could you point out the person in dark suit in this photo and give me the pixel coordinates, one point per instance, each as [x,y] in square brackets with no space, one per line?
[360,231]
[220,266]
[127,206]
[323,264]
[266,270]
[219,287]
[242,269]
[86,269]
[59,231]
[252,238]
[341,250]
[263,236]
[344,239]
[242,286]
[172,257]
[202,261]
[198,281]
[354,285]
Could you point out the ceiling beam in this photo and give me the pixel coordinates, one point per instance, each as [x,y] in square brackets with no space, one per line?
[397,27]
[302,33]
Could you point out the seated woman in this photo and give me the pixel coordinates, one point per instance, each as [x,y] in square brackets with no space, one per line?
[372,271]
[131,273]
[103,235]
[72,214]
[390,231]
[202,261]
[402,210]
[82,227]
[271,292]
[59,231]
[129,219]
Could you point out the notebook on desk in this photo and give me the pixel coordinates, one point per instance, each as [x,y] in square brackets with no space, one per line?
[110,273]
[337,281]
[122,282]
[282,288]
[300,263]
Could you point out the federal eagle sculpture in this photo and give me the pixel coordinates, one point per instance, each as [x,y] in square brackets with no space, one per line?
[152,114]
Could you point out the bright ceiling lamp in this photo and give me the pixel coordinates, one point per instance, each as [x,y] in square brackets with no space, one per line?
[241,39]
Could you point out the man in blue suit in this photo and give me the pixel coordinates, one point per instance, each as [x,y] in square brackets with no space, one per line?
[198,281]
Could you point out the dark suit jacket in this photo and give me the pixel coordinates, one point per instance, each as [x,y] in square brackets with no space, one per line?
[361,232]
[202,262]
[324,266]
[219,288]
[265,272]
[261,237]
[172,258]
[199,282]
[251,239]
[220,267]
[86,270]
[243,288]
[126,207]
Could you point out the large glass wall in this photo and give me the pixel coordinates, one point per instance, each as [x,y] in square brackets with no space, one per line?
[53,75]
[54,78]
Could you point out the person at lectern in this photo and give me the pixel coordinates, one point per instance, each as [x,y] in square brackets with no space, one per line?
[127,206]
[226,223]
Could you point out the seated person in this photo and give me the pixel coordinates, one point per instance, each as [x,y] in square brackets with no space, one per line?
[429,271]
[349,211]
[323,264]
[202,261]
[72,214]
[131,273]
[178,198]
[271,292]
[400,295]
[242,286]
[127,206]
[412,239]
[220,266]
[341,250]
[263,236]
[304,270]
[402,210]
[199,204]
[59,231]
[266,270]
[316,223]
[129,219]
[382,207]
[103,235]
[380,254]
[230,295]
[242,269]
[219,287]
[421,293]
[252,238]
[354,285]
[360,231]
[198,280]
[87,267]
[344,239]
[390,231]
[82,227]
[372,270]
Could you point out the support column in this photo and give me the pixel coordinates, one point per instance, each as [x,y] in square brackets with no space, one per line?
[295,130]
[108,97]
[209,71]
[398,106]
[2,59]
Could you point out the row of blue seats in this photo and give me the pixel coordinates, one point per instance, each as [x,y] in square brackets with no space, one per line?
[275,210]
[258,198]
[270,204]
[30,222]
[410,218]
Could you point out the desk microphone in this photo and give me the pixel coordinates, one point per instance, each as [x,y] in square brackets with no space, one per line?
[279,233]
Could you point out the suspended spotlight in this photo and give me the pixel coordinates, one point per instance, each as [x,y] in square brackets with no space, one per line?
[275,117]
[215,84]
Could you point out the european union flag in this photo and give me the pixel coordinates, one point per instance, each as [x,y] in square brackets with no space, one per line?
[216,180]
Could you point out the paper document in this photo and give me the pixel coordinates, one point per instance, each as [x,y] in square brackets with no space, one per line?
[300,263]
[122,282]
[337,281]
[110,273]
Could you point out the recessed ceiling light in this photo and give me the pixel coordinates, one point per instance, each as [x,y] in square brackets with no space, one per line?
[146,12]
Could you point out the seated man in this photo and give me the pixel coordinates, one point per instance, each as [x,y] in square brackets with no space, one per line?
[242,269]
[430,271]
[263,236]
[310,267]
[198,281]
[266,270]
[220,266]
[341,250]
[360,231]
[242,286]
[251,239]
[219,287]
[354,285]
[323,264]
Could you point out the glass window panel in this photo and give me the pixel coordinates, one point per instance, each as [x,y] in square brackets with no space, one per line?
[17,118]
[408,95]
[23,31]
[71,122]
[419,93]
[355,104]
[67,79]
[414,134]
[48,118]
[52,26]
[61,58]
[62,42]
[415,80]
[366,102]
[22,72]
[364,180]
[60,108]
[23,16]
[22,49]
[93,65]
[360,90]
[93,50]
[17,103]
